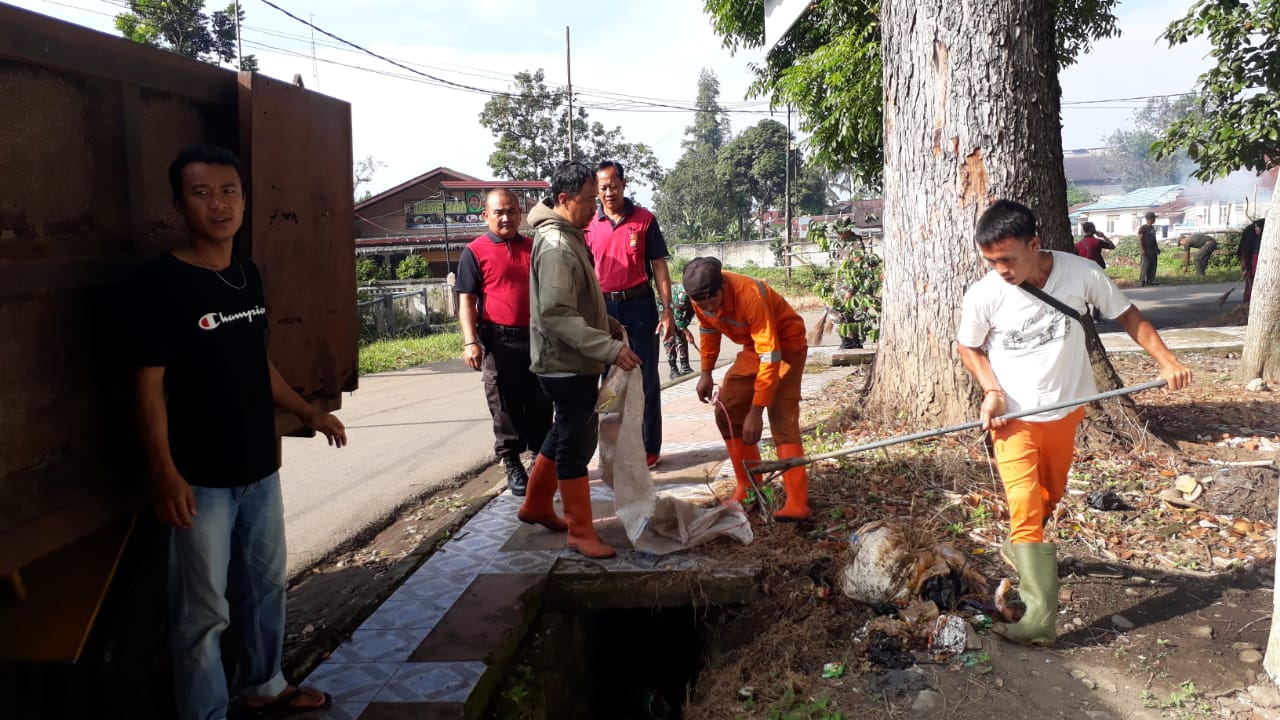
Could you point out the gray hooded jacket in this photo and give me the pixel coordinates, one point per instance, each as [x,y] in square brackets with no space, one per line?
[570,330]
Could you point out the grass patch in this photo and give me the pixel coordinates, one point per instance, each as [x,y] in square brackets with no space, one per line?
[400,353]
[1124,262]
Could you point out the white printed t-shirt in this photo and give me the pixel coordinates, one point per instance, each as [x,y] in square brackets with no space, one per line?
[1038,354]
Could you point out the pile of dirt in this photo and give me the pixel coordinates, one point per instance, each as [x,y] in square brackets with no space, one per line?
[1164,605]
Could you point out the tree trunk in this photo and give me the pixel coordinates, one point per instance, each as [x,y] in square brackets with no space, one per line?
[1261,356]
[972,115]
[1262,359]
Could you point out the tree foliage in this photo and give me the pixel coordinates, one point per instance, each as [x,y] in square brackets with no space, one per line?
[368,271]
[1133,159]
[720,180]
[1077,195]
[754,164]
[414,267]
[829,67]
[183,27]
[710,129]
[532,129]
[1238,100]
[688,204]
[809,192]
[852,289]
[693,202]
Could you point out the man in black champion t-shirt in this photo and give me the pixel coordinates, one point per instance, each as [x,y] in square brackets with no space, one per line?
[206,394]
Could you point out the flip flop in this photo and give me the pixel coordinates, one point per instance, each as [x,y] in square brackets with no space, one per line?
[283,707]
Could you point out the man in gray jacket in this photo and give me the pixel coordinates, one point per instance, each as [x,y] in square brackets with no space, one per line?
[572,339]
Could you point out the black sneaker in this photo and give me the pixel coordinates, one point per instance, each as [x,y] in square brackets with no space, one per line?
[685,369]
[517,478]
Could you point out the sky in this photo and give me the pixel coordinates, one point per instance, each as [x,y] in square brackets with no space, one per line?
[652,49]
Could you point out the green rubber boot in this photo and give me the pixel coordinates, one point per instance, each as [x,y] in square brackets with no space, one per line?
[1037,565]
[1007,555]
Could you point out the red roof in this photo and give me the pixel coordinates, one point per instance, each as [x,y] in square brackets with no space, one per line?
[486,184]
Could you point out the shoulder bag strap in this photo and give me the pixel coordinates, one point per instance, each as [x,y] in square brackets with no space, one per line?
[1052,301]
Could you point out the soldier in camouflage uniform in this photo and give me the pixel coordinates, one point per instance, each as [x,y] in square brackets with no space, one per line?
[677,344]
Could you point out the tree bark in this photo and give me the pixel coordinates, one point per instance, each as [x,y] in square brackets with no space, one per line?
[971,115]
[972,110]
[1261,357]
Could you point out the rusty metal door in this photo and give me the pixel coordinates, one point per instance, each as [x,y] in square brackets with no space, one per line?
[297,229]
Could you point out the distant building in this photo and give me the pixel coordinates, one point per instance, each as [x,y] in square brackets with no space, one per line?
[1227,204]
[1223,205]
[1121,215]
[1086,169]
[864,216]
[435,215]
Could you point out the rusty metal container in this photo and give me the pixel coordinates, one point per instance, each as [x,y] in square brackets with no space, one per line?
[88,126]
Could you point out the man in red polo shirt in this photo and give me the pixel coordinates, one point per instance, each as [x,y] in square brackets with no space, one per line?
[493,311]
[630,253]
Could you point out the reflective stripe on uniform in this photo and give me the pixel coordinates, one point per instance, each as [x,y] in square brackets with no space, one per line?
[708,331]
[760,286]
[773,357]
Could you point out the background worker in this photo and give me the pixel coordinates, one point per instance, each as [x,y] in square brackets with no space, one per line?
[1093,243]
[1250,242]
[630,253]
[573,338]
[1091,246]
[1025,353]
[677,343]
[1202,242]
[493,312]
[1150,250]
[765,375]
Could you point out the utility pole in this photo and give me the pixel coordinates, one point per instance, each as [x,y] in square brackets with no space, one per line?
[444,215]
[568,69]
[239,47]
[315,68]
[787,200]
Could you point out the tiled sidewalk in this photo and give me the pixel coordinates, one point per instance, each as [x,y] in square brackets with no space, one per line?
[450,629]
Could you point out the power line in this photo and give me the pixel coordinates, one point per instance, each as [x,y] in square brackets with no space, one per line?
[605,100]
[471,88]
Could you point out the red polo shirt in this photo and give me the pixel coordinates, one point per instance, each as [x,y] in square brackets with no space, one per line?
[623,251]
[498,272]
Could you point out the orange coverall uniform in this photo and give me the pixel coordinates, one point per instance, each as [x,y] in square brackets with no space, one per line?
[766,373]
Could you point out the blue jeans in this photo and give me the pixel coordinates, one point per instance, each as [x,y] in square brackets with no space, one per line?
[229,565]
[640,317]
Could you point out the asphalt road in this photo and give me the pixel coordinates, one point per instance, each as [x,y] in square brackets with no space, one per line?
[413,432]
[1177,305]
[410,433]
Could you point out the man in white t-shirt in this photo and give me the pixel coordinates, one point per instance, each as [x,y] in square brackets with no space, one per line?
[1027,354]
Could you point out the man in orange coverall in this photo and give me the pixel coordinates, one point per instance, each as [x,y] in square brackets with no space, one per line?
[766,374]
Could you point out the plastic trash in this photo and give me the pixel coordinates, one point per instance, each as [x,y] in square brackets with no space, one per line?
[1105,500]
[949,636]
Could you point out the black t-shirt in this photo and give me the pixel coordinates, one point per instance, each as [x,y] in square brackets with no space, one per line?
[208,331]
[1147,236]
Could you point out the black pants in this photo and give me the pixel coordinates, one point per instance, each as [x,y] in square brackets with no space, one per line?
[576,429]
[1147,271]
[521,411]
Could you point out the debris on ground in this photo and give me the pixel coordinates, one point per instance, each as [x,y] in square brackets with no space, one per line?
[1150,589]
